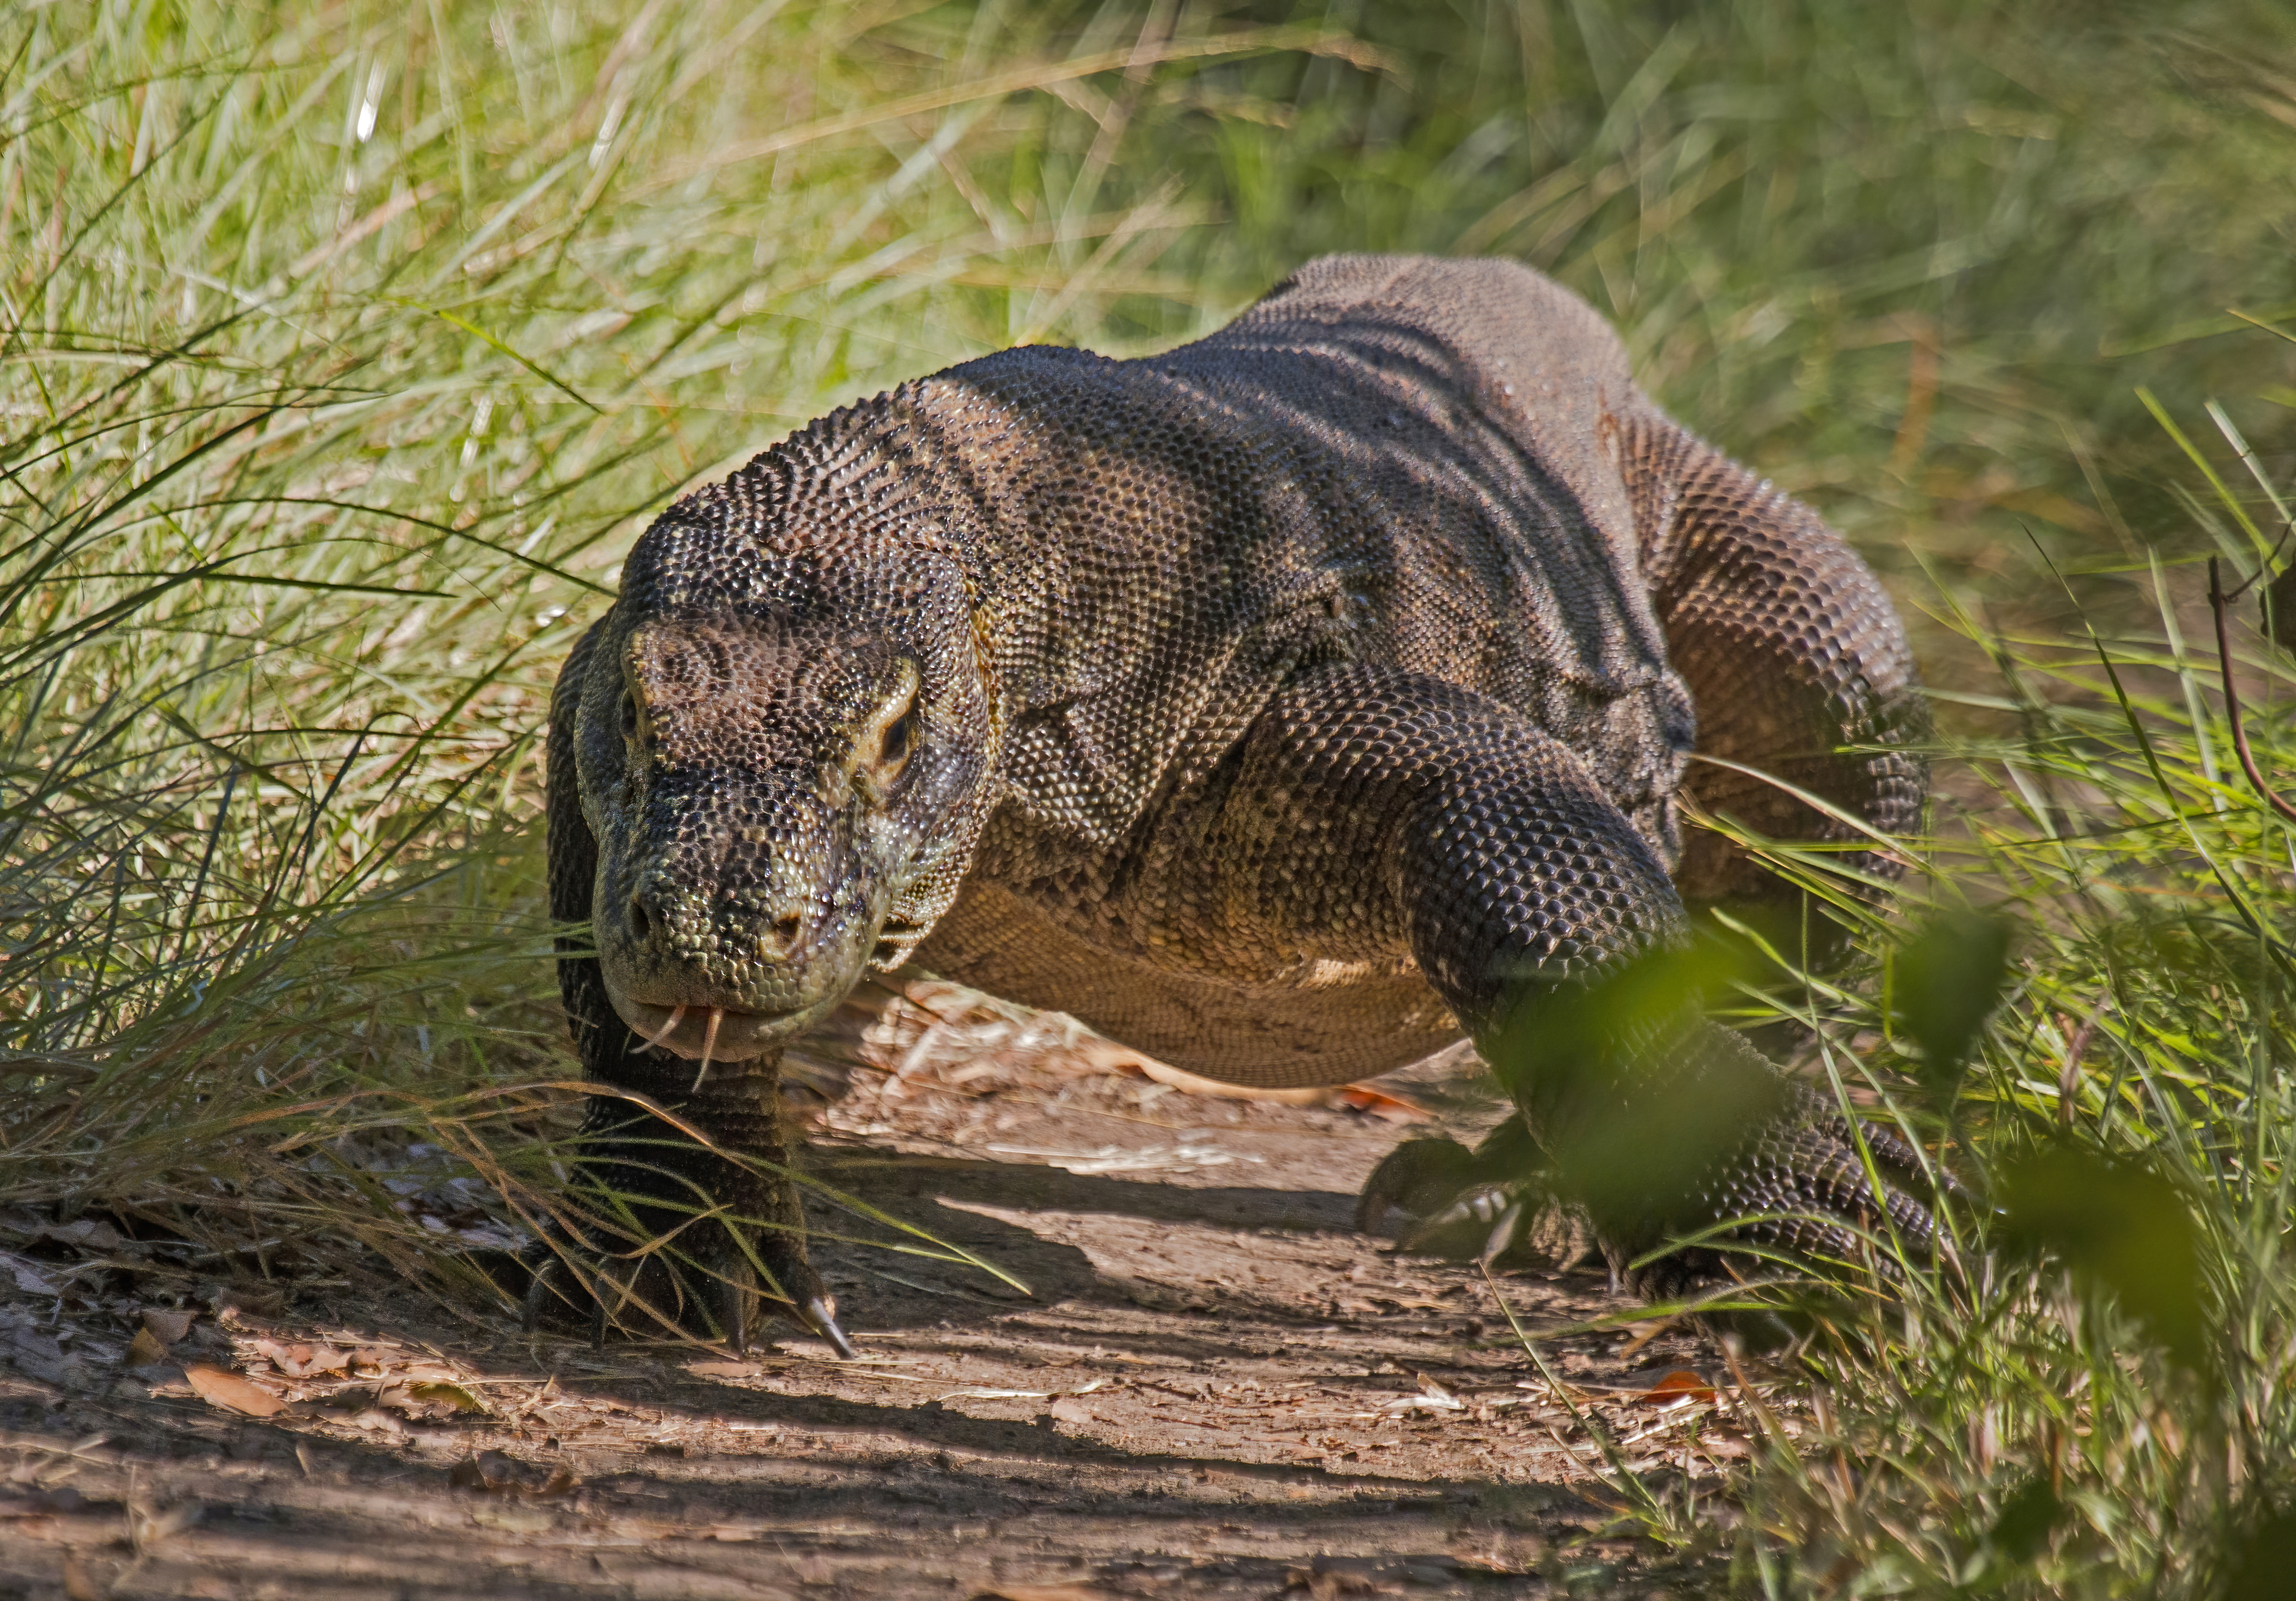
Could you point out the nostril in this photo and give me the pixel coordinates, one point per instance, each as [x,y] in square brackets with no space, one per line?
[785,928]
[641,920]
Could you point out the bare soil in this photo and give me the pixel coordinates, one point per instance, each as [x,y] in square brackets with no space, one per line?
[1212,1386]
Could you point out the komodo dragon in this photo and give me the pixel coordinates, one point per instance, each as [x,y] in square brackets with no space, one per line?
[1282,706]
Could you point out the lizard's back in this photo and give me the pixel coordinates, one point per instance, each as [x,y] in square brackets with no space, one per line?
[1408,462]
[1472,414]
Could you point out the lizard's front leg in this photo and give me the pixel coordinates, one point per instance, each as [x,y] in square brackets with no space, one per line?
[1372,807]
[679,1235]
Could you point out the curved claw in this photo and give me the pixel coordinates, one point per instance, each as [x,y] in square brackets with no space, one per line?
[730,1298]
[818,1313]
[1503,1234]
[535,1301]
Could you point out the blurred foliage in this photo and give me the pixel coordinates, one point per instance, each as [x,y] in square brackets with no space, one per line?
[1950,978]
[2125,1233]
[1912,261]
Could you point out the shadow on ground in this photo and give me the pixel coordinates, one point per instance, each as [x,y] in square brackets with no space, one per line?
[1212,1386]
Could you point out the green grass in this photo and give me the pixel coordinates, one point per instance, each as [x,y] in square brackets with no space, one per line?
[344,349]
[2102,1405]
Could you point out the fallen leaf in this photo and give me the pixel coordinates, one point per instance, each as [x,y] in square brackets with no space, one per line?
[1681,1385]
[240,1304]
[230,1392]
[167,1325]
[1069,1410]
[29,1277]
[92,1234]
[1325,1581]
[445,1392]
[79,1585]
[148,1526]
[1431,1397]
[1644,1334]
[512,1519]
[298,1360]
[1388,1108]
[473,1472]
[145,1349]
[420,1398]
[1440,1397]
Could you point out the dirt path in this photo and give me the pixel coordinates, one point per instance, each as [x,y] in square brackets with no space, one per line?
[1214,1387]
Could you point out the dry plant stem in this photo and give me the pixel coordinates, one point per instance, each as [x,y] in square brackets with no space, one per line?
[2256,779]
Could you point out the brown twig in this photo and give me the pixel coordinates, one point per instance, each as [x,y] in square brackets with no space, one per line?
[2069,1076]
[2272,797]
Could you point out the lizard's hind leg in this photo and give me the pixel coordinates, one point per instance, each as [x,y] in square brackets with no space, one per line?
[1799,668]
[1373,808]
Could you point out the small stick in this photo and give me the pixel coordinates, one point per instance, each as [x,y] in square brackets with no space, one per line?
[2272,797]
[2069,1076]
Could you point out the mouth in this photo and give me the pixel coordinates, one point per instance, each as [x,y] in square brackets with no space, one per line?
[703,1033]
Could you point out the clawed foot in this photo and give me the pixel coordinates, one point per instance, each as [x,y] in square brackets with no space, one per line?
[1806,1193]
[685,1232]
[682,1240]
[664,1292]
[1819,1200]
[1795,1171]
[1467,1205]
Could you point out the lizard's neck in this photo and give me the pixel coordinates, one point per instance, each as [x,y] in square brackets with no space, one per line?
[997,491]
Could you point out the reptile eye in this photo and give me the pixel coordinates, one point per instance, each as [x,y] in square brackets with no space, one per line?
[900,739]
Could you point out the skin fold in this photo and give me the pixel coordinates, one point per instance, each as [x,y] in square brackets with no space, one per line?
[1284,706]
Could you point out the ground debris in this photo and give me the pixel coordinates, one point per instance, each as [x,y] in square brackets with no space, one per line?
[233,1394]
[498,1473]
[1215,1383]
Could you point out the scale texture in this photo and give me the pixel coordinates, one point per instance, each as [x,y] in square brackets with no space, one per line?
[1283,706]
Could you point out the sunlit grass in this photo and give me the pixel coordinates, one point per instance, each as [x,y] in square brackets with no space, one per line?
[343,353]
[2088,1392]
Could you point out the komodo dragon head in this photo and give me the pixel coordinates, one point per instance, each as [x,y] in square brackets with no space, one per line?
[785,739]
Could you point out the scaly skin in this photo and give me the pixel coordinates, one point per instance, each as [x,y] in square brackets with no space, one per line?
[1282,706]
